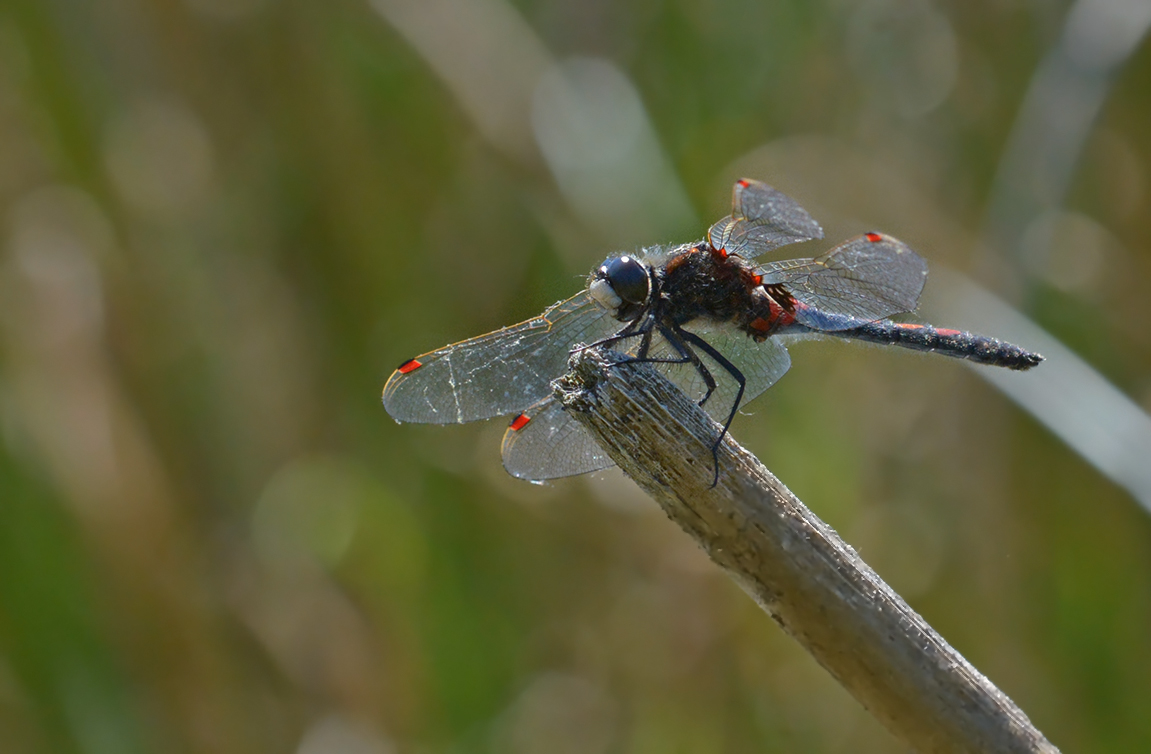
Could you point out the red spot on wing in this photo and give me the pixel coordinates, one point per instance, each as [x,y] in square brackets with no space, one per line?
[743,183]
[760,325]
[409,366]
[519,422]
[756,279]
[873,237]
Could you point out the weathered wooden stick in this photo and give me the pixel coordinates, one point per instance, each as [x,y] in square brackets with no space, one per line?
[796,567]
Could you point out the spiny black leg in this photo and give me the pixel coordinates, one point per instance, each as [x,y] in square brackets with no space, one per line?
[636,359]
[674,336]
[730,368]
[638,326]
[722,360]
[642,357]
[629,330]
[646,331]
[644,345]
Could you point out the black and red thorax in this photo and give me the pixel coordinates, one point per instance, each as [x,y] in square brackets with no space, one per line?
[699,281]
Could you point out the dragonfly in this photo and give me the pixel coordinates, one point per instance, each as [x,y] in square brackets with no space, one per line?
[706,314]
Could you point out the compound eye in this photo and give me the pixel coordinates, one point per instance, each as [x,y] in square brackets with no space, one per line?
[628,278]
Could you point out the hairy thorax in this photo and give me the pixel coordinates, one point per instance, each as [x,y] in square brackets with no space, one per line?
[700,282]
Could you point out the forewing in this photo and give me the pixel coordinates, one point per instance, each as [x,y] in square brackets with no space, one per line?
[866,278]
[503,372]
[761,219]
[544,442]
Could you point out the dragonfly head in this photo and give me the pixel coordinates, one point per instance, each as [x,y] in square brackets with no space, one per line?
[621,285]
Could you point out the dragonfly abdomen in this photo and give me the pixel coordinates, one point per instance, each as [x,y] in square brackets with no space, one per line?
[956,343]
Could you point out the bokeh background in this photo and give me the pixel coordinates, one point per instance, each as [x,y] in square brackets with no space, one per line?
[225,221]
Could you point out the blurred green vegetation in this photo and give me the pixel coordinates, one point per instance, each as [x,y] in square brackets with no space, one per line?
[225,221]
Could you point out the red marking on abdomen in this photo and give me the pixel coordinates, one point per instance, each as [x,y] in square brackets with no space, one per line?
[873,237]
[781,317]
[519,422]
[409,366]
[938,330]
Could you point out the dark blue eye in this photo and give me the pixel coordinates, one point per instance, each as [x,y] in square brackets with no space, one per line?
[627,277]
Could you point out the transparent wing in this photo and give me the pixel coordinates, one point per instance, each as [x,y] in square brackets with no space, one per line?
[870,277]
[546,443]
[761,219]
[503,372]
[550,444]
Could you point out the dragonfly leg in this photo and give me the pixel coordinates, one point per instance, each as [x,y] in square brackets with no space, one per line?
[639,326]
[686,356]
[674,335]
[731,369]
[645,331]
[645,344]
